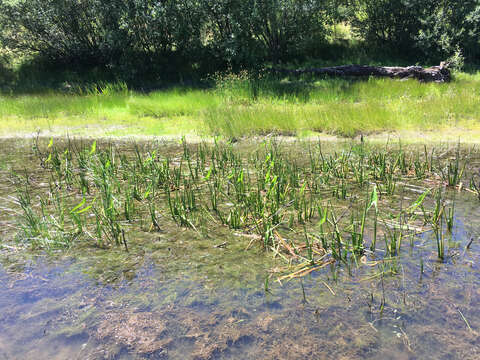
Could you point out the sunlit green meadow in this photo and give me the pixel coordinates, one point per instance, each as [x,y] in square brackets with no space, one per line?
[237,106]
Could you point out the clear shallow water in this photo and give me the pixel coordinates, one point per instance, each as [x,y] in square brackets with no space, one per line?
[177,296]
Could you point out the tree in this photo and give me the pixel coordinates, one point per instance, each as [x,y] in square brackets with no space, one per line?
[452,26]
[228,33]
[391,25]
[287,27]
[62,29]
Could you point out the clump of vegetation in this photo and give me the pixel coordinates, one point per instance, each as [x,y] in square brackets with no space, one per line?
[310,209]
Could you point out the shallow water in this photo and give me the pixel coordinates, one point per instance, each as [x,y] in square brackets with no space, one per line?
[176,295]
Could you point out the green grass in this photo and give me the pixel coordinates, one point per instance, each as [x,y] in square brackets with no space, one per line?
[237,106]
[175,102]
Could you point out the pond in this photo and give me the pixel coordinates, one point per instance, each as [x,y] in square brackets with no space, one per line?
[211,289]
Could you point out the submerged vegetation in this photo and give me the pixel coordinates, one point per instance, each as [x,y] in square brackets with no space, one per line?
[239,105]
[310,206]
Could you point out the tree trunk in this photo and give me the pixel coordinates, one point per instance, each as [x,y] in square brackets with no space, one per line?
[436,73]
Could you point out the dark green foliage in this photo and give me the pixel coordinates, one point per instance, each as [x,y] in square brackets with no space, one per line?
[131,35]
[6,74]
[287,27]
[169,40]
[432,30]
[453,26]
[391,25]
[227,33]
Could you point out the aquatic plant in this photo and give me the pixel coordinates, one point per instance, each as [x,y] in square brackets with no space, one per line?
[309,206]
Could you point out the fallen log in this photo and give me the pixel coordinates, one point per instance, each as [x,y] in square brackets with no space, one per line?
[435,73]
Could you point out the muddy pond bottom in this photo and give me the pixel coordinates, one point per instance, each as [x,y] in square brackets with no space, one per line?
[85,307]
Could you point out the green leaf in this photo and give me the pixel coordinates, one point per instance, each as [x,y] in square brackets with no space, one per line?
[208,174]
[373,199]
[84,209]
[93,148]
[323,220]
[78,206]
[240,177]
[419,201]
[302,190]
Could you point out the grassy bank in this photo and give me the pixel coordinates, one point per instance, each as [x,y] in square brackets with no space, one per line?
[237,106]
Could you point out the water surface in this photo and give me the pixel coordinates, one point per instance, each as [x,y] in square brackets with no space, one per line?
[178,295]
